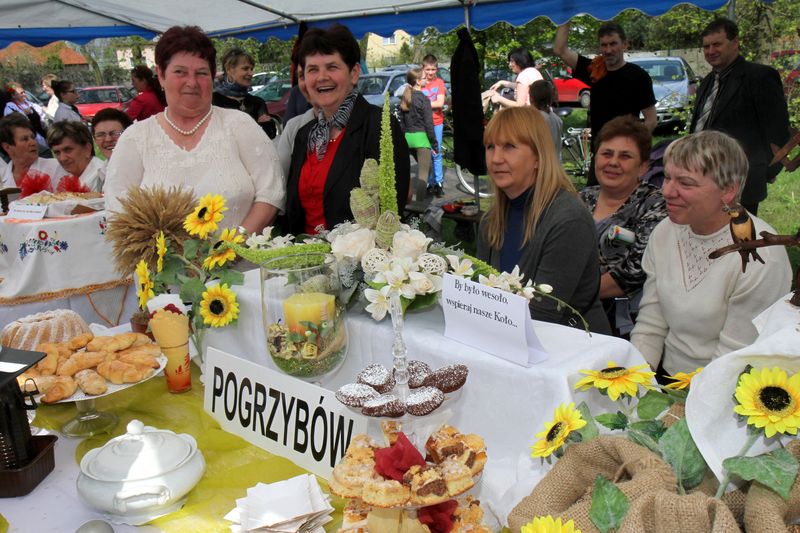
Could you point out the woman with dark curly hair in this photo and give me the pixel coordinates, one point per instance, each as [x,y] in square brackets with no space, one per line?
[150,100]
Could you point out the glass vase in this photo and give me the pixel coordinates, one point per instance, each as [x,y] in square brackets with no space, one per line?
[304,321]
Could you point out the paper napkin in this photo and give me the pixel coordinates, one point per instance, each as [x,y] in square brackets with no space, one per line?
[292,505]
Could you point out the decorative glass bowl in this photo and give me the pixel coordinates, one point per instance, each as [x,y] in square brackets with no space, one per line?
[303,318]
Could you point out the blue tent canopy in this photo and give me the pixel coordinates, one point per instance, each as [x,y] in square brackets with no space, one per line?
[39,22]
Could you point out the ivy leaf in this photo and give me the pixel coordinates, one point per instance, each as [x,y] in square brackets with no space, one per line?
[192,290]
[680,451]
[653,404]
[609,505]
[231,277]
[643,439]
[776,470]
[613,420]
[589,431]
[653,428]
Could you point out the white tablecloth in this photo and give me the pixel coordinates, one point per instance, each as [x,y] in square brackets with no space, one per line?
[54,258]
[504,403]
[61,264]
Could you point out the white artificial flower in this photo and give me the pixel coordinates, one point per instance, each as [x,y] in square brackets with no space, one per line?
[260,241]
[424,283]
[353,245]
[410,244]
[341,229]
[281,242]
[461,269]
[313,240]
[379,302]
[513,278]
[491,281]
[375,260]
[545,288]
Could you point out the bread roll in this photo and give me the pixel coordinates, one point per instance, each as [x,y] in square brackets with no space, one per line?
[91,382]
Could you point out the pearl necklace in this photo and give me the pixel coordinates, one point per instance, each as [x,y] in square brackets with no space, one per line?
[191,131]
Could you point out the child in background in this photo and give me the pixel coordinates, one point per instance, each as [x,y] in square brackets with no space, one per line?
[436,93]
[417,124]
[541,95]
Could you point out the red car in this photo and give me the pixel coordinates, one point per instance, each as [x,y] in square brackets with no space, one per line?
[93,99]
[572,90]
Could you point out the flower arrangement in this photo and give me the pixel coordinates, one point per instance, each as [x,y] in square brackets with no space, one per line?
[180,250]
[767,401]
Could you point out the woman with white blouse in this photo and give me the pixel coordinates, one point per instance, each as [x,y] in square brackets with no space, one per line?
[196,145]
[695,309]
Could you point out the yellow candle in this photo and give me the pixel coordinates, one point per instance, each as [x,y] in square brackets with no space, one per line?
[314,307]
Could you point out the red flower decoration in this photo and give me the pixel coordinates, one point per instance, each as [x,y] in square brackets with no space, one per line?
[34,182]
[42,235]
[439,517]
[71,184]
[392,462]
[169,307]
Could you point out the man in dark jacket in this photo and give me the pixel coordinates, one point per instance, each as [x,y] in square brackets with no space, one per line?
[744,100]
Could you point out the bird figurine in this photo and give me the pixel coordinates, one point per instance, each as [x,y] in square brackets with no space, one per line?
[743,229]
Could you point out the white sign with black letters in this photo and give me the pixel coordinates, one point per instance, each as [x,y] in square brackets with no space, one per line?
[279,413]
[491,320]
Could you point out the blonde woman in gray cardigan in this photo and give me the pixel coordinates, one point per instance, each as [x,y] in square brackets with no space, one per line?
[537,220]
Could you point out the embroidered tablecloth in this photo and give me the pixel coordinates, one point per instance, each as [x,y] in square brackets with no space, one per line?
[50,259]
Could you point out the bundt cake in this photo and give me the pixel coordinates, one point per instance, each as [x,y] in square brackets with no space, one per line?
[51,326]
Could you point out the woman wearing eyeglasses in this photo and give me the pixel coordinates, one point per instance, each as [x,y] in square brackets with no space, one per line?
[107,126]
[71,143]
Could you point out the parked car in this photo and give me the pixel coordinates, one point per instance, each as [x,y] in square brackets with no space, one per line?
[259,80]
[571,90]
[275,94]
[674,82]
[93,99]
[374,86]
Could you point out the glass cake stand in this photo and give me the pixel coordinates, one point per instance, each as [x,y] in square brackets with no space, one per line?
[89,421]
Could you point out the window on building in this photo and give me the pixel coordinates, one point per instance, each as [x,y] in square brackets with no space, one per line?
[389,40]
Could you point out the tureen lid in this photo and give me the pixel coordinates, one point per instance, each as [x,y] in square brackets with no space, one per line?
[141,453]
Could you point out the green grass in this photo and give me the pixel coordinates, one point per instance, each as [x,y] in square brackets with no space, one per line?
[780,209]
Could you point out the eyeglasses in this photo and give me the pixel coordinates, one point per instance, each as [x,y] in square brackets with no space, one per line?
[69,91]
[111,134]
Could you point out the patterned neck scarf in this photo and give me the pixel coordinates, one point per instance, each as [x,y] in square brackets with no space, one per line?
[231,90]
[320,134]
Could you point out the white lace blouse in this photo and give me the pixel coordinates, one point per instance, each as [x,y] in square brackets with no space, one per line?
[235,158]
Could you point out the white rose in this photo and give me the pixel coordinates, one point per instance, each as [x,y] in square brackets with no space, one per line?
[353,245]
[424,283]
[162,300]
[410,244]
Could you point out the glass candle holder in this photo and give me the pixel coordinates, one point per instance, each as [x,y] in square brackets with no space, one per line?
[303,318]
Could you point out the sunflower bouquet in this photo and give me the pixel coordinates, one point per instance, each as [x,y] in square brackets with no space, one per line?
[766,400]
[188,265]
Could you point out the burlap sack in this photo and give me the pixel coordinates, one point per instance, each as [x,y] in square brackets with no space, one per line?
[765,511]
[733,499]
[667,512]
[566,490]
[674,414]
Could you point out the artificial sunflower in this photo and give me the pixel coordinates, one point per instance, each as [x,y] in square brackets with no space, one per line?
[221,254]
[548,524]
[144,290]
[203,220]
[161,251]
[566,419]
[617,380]
[770,399]
[682,380]
[218,306]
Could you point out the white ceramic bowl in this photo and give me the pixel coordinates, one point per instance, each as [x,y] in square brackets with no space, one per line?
[141,475]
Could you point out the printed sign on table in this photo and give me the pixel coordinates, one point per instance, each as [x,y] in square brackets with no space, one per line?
[491,320]
[27,212]
[278,413]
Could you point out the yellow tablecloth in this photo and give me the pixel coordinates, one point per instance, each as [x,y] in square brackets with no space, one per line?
[232,464]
